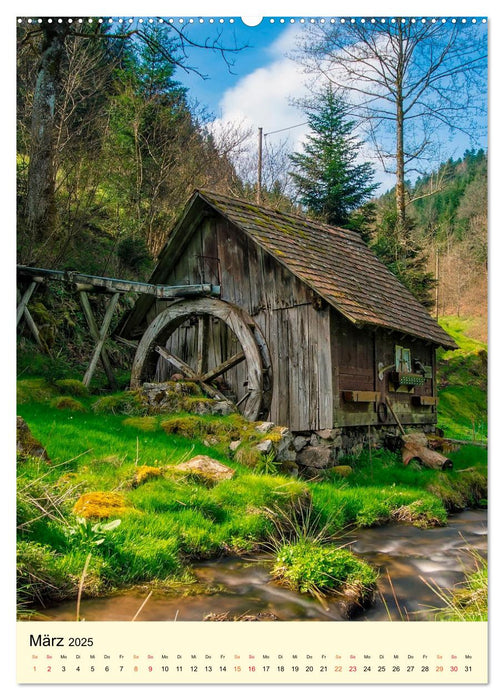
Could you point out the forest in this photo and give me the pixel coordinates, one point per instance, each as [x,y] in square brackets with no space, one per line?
[110,146]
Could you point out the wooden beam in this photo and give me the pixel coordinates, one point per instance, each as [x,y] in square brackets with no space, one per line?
[361,396]
[100,337]
[176,362]
[424,400]
[31,324]
[111,285]
[190,373]
[389,404]
[203,338]
[223,367]
[22,303]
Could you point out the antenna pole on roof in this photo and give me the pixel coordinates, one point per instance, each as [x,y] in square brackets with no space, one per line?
[259,166]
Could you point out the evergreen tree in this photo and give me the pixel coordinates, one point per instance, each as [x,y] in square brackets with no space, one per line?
[329,180]
[397,248]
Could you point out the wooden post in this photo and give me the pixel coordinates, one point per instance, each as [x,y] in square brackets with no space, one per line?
[259,165]
[203,337]
[29,318]
[99,336]
[24,301]
[437,283]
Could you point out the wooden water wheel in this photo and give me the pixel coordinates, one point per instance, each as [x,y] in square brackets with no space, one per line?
[252,396]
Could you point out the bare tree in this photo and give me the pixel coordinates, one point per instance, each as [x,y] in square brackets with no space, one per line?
[406,80]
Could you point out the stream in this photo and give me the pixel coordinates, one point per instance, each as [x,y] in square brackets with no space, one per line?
[405,553]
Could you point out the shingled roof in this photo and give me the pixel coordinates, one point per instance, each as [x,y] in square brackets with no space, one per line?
[334,262]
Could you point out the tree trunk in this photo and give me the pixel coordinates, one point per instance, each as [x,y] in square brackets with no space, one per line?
[400,193]
[416,447]
[40,201]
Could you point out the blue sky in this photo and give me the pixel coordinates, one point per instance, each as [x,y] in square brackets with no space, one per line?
[259,88]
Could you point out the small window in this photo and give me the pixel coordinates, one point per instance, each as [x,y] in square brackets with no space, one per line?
[402,359]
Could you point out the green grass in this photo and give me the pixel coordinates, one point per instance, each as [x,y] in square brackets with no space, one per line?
[309,567]
[170,521]
[463,413]
[459,328]
[462,382]
[467,602]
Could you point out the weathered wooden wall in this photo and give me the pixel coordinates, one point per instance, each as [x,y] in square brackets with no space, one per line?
[356,355]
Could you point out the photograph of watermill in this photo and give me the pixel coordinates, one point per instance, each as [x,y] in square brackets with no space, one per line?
[251,319]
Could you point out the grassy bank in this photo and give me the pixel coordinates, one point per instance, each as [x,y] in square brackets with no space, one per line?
[150,522]
[462,382]
[467,602]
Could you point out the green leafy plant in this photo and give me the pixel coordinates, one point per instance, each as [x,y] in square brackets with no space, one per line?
[267,464]
[88,534]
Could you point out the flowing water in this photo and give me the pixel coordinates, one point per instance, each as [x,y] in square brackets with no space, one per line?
[407,554]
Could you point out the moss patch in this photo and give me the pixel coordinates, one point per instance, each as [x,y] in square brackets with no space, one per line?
[147,424]
[100,504]
[146,473]
[34,390]
[71,387]
[127,402]
[67,403]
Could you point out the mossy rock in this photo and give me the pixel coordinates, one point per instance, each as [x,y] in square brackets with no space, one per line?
[144,474]
[71,387]
[147,424]
[343,470]
[26,444]
[127,402]
[186,426]
[100,504]
[203,469]
[67,403]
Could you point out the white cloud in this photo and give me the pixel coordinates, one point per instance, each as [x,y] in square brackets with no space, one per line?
[263,97]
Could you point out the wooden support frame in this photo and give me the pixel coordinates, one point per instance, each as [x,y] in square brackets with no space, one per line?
[361,396]
[105,285]
[22,310]
[99,336]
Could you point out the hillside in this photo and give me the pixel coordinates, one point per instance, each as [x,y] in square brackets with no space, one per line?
[462,382]
[448,214]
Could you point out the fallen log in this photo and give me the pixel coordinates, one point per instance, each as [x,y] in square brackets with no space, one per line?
[416,447]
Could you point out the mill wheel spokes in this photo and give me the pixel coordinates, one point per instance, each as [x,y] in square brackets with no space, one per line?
[202,375]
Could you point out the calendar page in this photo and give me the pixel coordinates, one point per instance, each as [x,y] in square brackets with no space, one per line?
[252,425]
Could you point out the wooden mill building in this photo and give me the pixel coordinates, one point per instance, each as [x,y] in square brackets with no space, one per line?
[304,326]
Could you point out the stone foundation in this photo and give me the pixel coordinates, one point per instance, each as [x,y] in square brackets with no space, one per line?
[299,452]
[322,449]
